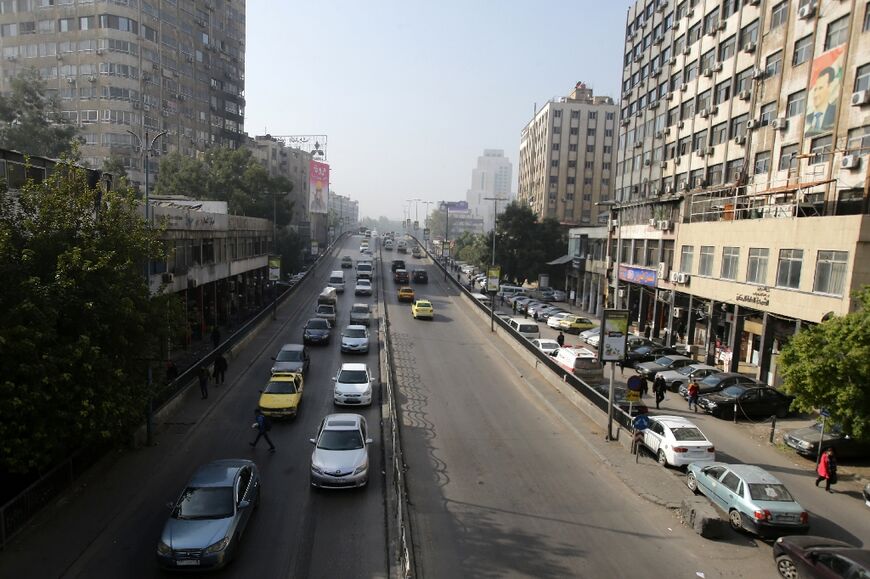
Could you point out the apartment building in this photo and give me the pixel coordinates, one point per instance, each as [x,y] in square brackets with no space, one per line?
[343,213]
[491,178]
[741,180]
[567,157]
[288,162]
[144,66]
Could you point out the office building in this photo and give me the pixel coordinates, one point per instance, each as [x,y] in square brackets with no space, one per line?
[490,179]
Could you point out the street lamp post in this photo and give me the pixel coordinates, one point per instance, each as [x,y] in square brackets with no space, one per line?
[495,201]
[612,208]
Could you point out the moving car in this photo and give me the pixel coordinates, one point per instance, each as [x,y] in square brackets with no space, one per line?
[336,280]
[420,276]
[209,517]
[326,312]
[282,395]
[682,376]
[363,287]
[546,345]
[364,270]
[347,262]
[398,264]
[353,385]
[759,401]
[754,499]
[422,309]
[291,358]
[716,381]
[355,339]
[316,331]
[416,252]
[805,441]
[575,324]
[401,276]
[406,294]
[819,557]
[361,314]
[402,246]
[388,244]
[676,441]
[650,369]
[341,457]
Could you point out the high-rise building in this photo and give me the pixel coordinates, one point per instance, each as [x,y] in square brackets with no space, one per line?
[742,174]
[491,178]
[146,66]
[567,157]
[290,163]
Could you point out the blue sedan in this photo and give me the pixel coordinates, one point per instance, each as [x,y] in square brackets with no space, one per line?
[754,499]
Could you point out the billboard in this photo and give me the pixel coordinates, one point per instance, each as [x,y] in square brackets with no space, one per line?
[318,186]
[826,82]
[454,205]
[614,334]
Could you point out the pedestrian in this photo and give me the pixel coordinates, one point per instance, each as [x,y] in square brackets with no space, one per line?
[220,369]
[514,306]
[203,381]
[215,337]
[827,469]
[263,426]
[693,395]
[171,371]
[644,386]
[659,389]
[560,339]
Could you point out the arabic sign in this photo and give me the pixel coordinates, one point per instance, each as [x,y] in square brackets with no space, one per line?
[614,330]
[760,297]
[639,275]
[493,274]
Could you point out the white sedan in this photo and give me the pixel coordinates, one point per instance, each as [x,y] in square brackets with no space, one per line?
[546,345]
[553,321]
[363,288]
[676,441]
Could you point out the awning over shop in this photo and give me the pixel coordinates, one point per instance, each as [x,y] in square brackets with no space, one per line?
[561,260]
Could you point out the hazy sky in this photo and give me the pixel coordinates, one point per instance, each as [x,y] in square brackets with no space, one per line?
[410,93]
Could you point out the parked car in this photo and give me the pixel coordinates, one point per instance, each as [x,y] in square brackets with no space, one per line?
[555,320]
[355,339]
[805,441]
[361,314]
[341,457]
[676,441]
[575,324]
[544,315]
[316,331]
[754,499]
[559,296]
[406,294]
[594,340]
[363,287]
[810,557]
[646,353]
[546,345]
[209,517]
[326,312]
[751,401]
[401,276]
[282,395]
[650,369]
[353,385]
[717,381]
[291,358]
[420,276]
[681,376]
[587,333]
[423,309]
[535,308]
[346,262]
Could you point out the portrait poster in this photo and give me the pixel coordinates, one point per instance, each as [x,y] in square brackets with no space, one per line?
[826,84]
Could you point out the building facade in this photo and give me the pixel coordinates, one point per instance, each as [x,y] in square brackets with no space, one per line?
[741,179]
[145,66]
[290,163]
[343,213]
[567,157]
[490,179]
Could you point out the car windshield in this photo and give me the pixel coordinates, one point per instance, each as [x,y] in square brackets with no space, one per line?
[360,310]
[280,387]
[204,503]
[734,391]
[364,267]
[686,370]
[354,333]
[289,356]
[663,361]
[364,283]
[422,304]
[317,325]
[325,310]
[688,434]
[353,377]
[340,440]
[769,492]
[711,380]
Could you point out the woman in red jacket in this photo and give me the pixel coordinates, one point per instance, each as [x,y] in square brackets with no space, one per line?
[827,469]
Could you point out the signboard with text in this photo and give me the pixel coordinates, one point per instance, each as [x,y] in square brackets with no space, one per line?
[274,267]
[614,335]
[647,277]
[493,274]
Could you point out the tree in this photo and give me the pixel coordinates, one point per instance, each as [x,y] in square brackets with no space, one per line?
[524,245]
[828,366]
[77,323]
[31,121]
[114,165]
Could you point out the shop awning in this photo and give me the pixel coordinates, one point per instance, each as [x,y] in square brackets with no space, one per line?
[561,260]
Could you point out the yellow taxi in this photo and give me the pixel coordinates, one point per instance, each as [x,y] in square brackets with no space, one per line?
[406,294]
[282,395]
[423,309]
[575,324]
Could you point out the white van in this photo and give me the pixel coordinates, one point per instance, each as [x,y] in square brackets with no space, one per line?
[327,296]
[507,291]
[336,280]
[526,328]
[581,362]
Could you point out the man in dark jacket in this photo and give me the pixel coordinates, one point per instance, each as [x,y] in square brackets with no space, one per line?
[263,426]
[220,369]
[203,381]
[659,388]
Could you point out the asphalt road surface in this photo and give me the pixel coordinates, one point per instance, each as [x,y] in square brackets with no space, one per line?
[110,527]
[501,485]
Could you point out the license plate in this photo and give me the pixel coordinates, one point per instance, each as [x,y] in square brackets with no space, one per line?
[187,562]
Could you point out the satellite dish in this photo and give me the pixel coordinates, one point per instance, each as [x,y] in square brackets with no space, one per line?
[829,316]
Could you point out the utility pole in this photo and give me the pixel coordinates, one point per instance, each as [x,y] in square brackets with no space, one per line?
[495,201]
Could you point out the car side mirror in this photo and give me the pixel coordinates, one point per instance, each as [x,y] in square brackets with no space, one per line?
[312,441]
[243,504]
[170,505]
[261,391]
[333,379]
[273,358]
[369,441]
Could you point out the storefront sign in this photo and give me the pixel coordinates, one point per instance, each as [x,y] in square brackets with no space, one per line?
[760,297]
[647,277]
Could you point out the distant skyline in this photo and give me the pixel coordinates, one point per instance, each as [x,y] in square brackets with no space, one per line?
[410,94]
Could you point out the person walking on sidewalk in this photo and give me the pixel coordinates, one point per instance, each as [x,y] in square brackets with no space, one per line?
[220,369]
[693,394]
[659,388]
[203,381]
[263,426]
[560,339]
[827,469]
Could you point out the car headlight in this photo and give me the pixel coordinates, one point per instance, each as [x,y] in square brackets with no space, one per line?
[709,403]
[163,549]
[805,444]
[362,468]
[219,546]
[316,468]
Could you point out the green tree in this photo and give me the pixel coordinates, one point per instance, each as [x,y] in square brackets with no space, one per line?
[183,175]
[828,366]
[31,120]
[114,165]
[77,323]
[524,245]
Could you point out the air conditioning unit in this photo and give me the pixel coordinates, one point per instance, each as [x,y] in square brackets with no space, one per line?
[683,278]
[807,11]
[662,270]
[752,124]
[659,134]
[745,95]
[701,152]
[712,31]
[684,186]
[850,162]
[690,13]
[704,113]
[687,51]
[673,61]
[709,151]
[638,144]
[647,162]
[11,58]
[639,113]
[167,278]
[700,182]
[659,39]
[779,124]
[684,87]
[708,72]
[637,57]
[614,223]
[663,225]
[758,73]
[754,2]
[721,25]
[667,131]
[677,312]
[717,67]
[99,51]
[681,124]
[669,96]
[677,160]
[660,6]
[675,275]
[663,165]
[749,47]
[669,189]
[740,140]
[137,105]
[862,97]
[652,222]
[625,122]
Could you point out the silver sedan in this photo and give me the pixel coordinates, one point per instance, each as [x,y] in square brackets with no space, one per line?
[341,455]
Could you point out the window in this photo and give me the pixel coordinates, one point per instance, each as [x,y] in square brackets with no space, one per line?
[820,148]
[733,169]
[788,273]
[711,20]
[714,174]
[774,64]
[686,258]
[749,33]
[699,141]
[723,92]
[756,269]
[704,100]
[762,162]
[838,32]
[738,125]
[727,48]
[862,78]
[787,155]
[705,260]
[779,15]
[830,272]
[719,134]
[730,262]
[796,103]
[803,49]
[858,141]
[768,112]
[866,25]
[66,25]
[743,80]
[557,114]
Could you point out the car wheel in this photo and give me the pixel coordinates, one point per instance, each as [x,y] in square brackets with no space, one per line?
[786,567]
[692,482]
[736,520]
[675,387]
[663,460]
[782,412]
